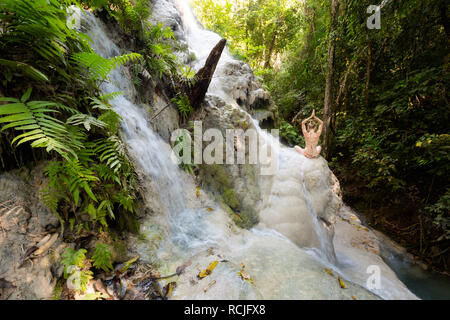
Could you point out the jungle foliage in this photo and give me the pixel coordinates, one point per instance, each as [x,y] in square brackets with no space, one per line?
[51,106]
[77,267]
[389,141]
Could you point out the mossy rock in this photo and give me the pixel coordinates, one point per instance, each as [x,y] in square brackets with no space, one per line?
[239,219]
[119,251]
[229,197]
[249,217]
[215,176]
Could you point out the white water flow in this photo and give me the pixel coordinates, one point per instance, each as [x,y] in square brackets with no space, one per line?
[285,254]
[291,222]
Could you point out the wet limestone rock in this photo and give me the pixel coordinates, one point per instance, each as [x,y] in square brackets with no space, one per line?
[359,253]
[236,185]
[239,82]
[299,200]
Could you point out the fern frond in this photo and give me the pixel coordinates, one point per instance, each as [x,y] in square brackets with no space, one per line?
[24,69]
[100,104]
[125,200]
[80,178]
[107,174]
[50,198]
[73,257]
[41,129]
[100,67]
[86,120]
[108,206]
[112,120]
[111,152]
[102,257]
[124,59]
[110,96]
[183,105]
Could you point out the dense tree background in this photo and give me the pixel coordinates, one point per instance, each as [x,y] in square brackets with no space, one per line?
[387,104]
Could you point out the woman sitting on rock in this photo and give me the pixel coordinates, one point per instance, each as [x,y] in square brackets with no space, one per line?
[312,150]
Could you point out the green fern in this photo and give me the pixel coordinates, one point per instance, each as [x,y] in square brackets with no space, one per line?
[107,174]
[111,152]
[108,207]
[24,69]
[50,198]
[92,177]
[80,279]
[132,18]
[187,76]
[41,129]
[54,191]
[80,178]
[184,106]
[40,27]
[110,96]
[72,257]
[125,200]
[159,56]
[109,117]
[102,257]
[187,72]
[100,67]
[86,120]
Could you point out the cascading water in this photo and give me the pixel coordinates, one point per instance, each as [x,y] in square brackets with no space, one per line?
[200,42]
[182,229]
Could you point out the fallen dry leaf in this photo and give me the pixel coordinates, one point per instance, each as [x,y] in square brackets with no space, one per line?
[168,289]
[341,283]
[244,275]
[209,285]
[208,270]
[45,246]
[328,271]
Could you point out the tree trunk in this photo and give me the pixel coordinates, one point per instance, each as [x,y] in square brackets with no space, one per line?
[367,87]
[204,75]
[269,53]
[311,14]
[328,101]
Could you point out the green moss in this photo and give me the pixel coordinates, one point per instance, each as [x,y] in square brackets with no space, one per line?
[229,197]
[215,176]
[239,219]
[57,290]
[249,218]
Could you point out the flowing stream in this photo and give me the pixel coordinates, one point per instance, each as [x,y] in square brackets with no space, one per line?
[286,254]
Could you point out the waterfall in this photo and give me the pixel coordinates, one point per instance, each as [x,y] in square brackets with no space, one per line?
[183,229]
[200,41]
